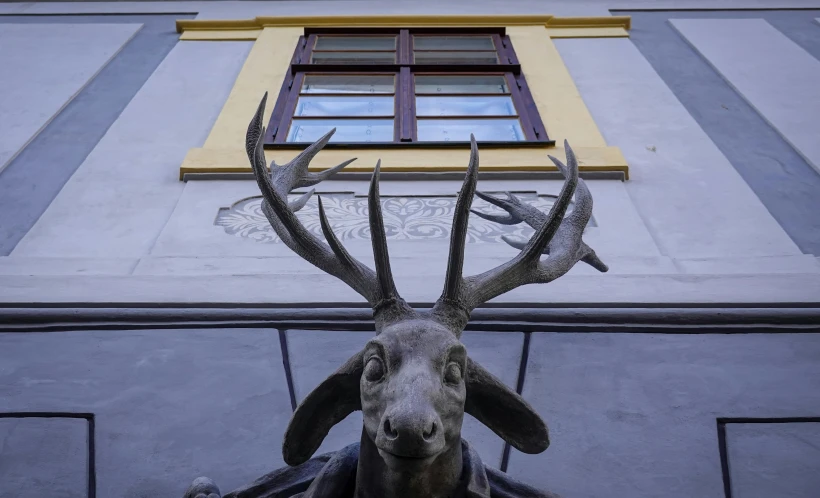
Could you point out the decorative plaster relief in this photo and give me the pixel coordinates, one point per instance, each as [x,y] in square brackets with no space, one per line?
[405,218]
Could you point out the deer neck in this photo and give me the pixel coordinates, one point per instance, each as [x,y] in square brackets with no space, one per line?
[438,480]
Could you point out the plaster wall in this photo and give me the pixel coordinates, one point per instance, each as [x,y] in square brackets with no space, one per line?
[243,9]
[780,177]
[169,405]
[691,198]
[781,86]
[124,192]
[773,459]
[629,414]
[38,450]
[44,67]
[686,211]
[37,174]
[612,397]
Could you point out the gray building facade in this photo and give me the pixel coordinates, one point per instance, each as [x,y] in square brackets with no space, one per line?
[154,329]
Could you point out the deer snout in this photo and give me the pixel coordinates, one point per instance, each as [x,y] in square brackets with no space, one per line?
[411,434]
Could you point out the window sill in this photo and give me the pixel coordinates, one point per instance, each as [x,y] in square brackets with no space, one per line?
[422,159]
[413,145]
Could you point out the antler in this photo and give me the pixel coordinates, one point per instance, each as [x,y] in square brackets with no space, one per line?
[557,235]
[518,212]
[377,287]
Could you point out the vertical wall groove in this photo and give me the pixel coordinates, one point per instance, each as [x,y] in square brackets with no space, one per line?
[519,388]
[283,344]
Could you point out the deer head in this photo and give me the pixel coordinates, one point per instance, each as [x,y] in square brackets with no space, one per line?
[414,380]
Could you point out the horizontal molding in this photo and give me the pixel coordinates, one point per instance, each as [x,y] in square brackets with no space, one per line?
[221,35]
[421,160]
[443,21]
[588,32]
[308,290]
[250,29]
[91,486]
[411,176]
[621,319]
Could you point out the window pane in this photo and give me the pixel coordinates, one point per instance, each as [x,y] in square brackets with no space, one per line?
[456,58]
[347,130]
[364,105]
[465,106]
[325,83]
[453,43]
[355,43]
[461,84]
[354,57]
[458,130]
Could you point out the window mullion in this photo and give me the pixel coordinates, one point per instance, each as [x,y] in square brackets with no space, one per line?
[404,88]
[404,55]
[404,98]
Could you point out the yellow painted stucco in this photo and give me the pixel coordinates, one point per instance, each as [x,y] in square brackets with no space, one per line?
[249,29]
[559,103]
[264,71]
[408,21]
[222,35]
[228,160]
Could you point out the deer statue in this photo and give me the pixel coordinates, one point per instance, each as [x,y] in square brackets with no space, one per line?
[413,381]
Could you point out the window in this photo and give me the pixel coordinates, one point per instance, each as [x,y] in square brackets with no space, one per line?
[405,86]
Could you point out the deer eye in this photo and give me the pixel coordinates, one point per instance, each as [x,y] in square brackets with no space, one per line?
[374,369]
[452,375]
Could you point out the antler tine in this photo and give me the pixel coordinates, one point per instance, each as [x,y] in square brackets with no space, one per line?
[381,255]
[346,260]
[556,235]
[510,218]
[311,179]
[458,235]
[332,258]
[392,306]
[295,173]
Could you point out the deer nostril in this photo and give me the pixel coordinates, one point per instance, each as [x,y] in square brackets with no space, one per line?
[429,435]
[389,431]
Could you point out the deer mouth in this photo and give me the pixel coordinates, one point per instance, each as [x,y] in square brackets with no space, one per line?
[404,460]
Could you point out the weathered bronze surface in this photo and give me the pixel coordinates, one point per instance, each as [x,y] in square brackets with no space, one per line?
[414,381]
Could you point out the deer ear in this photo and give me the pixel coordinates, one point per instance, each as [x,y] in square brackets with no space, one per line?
[504,411]
[334,399]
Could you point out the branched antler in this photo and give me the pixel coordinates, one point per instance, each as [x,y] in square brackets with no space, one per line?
[377,287]
[556,234]
[518,212]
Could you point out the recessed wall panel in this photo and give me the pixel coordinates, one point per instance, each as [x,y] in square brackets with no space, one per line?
[43,457]
[774,459]
[168,405]
[636,414]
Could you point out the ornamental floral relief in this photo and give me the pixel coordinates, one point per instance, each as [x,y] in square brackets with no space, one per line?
[405,218]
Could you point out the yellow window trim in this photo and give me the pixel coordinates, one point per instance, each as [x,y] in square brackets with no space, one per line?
[559,104]
[590,159]
[562,27]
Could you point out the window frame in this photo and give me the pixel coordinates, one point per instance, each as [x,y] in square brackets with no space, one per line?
[405,130]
